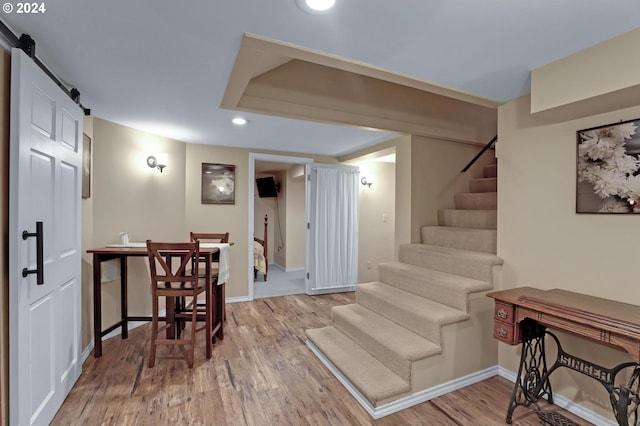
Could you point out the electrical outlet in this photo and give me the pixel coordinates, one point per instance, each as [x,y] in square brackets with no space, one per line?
[368,264]
[385,217]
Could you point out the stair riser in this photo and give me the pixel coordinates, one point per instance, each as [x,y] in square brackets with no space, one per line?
[374,381]
[451,264]
[422,286]
[483,240]
[476,201]
[490,170]
[484,185]
[417,324]
[387,357]
[480,219]
[468,347]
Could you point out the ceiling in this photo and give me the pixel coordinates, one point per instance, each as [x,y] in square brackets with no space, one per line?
[163,66]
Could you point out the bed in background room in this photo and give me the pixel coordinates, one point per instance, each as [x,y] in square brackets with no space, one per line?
[260,259]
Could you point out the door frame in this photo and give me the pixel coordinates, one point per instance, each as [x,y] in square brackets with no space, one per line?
[253,157]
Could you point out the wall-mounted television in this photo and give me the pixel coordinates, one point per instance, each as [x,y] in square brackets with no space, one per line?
[267,187]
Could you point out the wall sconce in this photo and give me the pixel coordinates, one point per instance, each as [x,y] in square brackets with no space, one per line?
[158,161]
[366,182]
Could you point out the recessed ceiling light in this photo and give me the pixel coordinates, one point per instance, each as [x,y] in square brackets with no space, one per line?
[239,121]
[315,6]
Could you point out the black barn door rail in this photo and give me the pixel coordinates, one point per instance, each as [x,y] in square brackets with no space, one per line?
[28,46]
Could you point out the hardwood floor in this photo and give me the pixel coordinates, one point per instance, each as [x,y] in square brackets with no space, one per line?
[261,374]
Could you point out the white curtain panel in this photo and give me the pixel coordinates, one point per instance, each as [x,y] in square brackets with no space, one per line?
[336,242]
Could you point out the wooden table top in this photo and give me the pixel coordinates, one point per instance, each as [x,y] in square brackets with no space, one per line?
[608,314]
[139,249]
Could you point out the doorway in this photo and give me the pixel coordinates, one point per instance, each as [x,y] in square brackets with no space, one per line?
[288,215]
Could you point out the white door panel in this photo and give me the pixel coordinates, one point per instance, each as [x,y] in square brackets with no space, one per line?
[45,182]
[41,345]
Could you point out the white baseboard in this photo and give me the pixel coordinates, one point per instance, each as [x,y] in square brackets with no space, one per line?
[237,299]
[566,403]
[87,351]
[344,289]
[406,402]
[428,394]
[118,331]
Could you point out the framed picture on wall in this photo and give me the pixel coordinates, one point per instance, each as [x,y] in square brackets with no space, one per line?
[218,183]
[86,166]
[608,169]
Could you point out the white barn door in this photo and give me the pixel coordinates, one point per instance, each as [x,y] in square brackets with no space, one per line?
[44,195]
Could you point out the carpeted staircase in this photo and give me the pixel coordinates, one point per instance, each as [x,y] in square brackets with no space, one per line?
[425,328]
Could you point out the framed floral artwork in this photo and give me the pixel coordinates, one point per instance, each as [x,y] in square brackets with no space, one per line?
[218,184]
[608,169]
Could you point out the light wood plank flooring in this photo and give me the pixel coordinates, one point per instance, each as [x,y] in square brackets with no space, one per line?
[261,374]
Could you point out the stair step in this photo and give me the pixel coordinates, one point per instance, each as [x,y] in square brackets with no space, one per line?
[467,263]
[388,342]
[479,219]
[484,185]
[490,170]
[418,314]
[484,240]
[447,289]
[372,378]
[476,201]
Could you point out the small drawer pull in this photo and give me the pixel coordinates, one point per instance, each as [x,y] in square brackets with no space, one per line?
[502,313]
[502,332]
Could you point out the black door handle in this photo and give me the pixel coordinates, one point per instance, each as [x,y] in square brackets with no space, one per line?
[39,271]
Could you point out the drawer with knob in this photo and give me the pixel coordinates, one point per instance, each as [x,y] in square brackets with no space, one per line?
[503,312]
[506,332]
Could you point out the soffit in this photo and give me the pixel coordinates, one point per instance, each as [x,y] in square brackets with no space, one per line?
[281,79]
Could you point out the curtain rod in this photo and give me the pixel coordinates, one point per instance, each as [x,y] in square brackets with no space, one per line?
[28,46]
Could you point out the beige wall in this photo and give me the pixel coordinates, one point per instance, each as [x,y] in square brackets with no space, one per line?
[436,177]
[129,196]
[586,83]
[404,188]
[295,235]
[376,236]
[232,218]
[5,73]
[545,244]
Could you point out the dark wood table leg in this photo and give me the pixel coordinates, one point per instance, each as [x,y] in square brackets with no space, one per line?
[97,307]
[209,307]
[171,317]
[124,297]
[219,309]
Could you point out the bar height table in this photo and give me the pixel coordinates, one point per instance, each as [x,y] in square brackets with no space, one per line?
[138,250]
